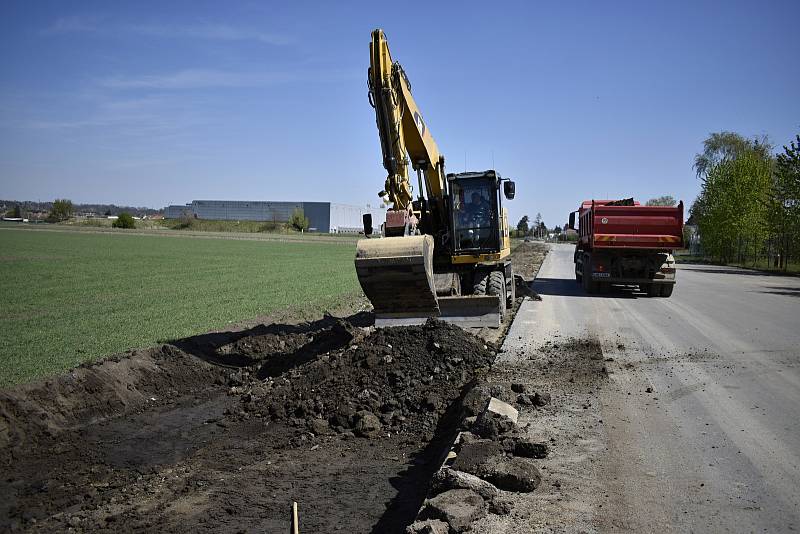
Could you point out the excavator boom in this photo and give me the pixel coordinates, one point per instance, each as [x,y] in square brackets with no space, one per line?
[402,129]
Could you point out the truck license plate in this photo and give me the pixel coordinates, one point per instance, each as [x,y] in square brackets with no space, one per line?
[601,275]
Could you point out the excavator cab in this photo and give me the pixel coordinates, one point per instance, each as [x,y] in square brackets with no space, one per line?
[475,205]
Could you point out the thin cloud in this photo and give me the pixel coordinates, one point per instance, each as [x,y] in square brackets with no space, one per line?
[211,32]
[74,24]
[197,79]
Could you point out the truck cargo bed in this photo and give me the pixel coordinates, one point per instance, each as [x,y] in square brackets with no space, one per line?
[637,227]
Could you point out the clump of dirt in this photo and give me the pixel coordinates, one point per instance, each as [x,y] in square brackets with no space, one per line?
[253,349]
[393,380]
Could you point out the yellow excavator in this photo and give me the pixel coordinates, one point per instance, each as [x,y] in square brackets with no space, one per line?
[443,252]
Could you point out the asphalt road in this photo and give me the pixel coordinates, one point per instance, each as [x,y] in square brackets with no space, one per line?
[701,424]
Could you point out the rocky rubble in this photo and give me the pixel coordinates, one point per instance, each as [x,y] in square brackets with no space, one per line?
[491,458]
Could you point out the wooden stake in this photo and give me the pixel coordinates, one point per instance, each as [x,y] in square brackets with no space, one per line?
[295,527]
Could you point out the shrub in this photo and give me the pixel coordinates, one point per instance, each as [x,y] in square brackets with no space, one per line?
[124,221]
[298,220]
[62,210]
[186,220]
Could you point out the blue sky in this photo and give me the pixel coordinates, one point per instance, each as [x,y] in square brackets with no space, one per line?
[151,103]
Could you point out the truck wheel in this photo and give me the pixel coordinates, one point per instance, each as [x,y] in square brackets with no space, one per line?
[479,282]
[666,290]
[588,284]
[652,290]
[578,276]
[496,285]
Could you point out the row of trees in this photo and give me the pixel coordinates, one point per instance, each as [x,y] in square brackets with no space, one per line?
[537,229]
[748,208]
[61,211]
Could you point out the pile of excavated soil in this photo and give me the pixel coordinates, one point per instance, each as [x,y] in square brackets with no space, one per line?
[222,431]
[395,380]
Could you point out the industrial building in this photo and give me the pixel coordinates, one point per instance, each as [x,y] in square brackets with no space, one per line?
[324,217]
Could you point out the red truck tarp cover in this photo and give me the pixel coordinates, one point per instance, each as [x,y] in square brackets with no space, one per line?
[640,227]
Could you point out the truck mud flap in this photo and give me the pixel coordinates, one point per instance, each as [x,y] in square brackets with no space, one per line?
[473,311]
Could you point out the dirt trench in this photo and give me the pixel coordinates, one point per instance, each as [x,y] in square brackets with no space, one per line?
[223,431]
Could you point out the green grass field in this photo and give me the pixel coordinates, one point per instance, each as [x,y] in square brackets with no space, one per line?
[69,297]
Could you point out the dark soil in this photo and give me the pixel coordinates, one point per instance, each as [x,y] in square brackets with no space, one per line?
[527,257]
[221,432]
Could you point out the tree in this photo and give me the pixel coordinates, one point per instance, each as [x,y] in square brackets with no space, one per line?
[541,231]
[731,209]
[124,220]
[186,220]
[720,146]
[784,202]
[537,225]
[62,210]
[298,220]
[522,225]
[665,200]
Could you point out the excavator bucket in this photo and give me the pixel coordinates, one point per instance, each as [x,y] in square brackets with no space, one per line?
[396,274]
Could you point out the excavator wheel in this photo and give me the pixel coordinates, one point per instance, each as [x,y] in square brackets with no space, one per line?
[512,292]
[480,282]
[496,285]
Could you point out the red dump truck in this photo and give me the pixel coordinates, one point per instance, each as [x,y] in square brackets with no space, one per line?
[623,242]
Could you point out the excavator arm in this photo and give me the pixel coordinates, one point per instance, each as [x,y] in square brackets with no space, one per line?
[405,138]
